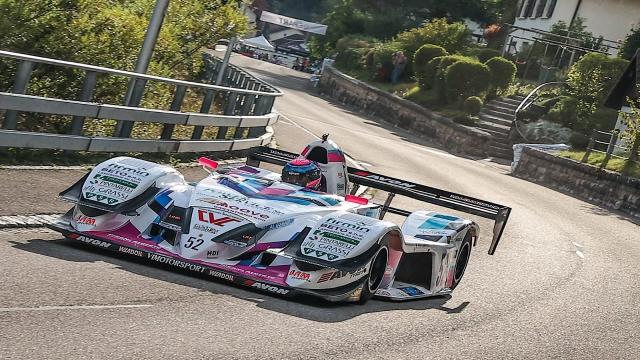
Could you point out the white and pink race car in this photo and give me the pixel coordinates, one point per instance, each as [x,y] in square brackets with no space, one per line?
[242,224]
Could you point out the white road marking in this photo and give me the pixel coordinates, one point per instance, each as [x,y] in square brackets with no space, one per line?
[71,307]
[579,251]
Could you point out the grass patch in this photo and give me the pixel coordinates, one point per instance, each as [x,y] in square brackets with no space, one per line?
[595,159]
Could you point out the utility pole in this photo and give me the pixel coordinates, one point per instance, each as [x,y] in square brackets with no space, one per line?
[225,61]
[136,86]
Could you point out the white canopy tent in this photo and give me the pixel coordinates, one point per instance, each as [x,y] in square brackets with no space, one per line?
[259,42]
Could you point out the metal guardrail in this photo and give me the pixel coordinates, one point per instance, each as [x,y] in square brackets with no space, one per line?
[245,103]
[594,142]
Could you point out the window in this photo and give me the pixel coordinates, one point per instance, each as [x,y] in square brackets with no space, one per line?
[552,6]
[540,8]
[528,9]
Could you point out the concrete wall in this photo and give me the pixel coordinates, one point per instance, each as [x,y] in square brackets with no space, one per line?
[405,114]
[604,188]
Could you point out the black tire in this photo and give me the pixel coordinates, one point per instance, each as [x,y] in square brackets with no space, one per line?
[462,260]
[375,276]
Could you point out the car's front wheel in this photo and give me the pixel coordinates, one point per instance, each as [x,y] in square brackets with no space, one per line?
[462,260]
[375,276]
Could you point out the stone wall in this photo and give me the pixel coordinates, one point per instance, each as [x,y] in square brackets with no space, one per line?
[405,114]
[602,187]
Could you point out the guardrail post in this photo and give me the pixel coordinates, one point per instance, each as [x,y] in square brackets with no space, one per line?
[590,146]
[124,128]
[204,109]
[229,109]
[176,105]
[77,122]
[20,84]
[610,148]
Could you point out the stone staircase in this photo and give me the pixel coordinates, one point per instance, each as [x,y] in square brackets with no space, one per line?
[495,118]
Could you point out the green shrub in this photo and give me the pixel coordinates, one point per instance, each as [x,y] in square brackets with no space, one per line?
[485,55]
[351,59]
[631,43]
[383,54]
[564,111]
[591,79]
[434,73]
[473,105]
[466,78]
[421,61]
[503,73]
[355,41]
[452,37]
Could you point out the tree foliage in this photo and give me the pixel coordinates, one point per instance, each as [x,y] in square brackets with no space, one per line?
[591,79]
[503,72]
[110,33]
[466,78]
[631,43]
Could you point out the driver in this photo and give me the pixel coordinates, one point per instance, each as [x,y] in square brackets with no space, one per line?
[302,172]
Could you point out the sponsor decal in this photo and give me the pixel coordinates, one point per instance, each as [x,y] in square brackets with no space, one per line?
[210,217]
[340,187]
[351,229]
[411,291]
[240,199]
[127,250]
[235,243]
[338,239]
[340,274]
[477,202]
[280,224]
[205,228]
[299,275]
[170,226]
[173,262]
[110,181]
[123,170]
[212,254]
[86,220]
[320,254]
[383,293]
[95,242]
[235,209]
[101,198]
[113,193]
[267,287]
[221,275]
[175,218]
[384,179]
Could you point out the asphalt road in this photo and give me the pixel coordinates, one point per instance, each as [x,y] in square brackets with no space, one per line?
[563,283]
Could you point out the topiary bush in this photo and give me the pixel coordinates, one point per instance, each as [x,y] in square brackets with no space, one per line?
[453,37]
[435,72]
[466,78]
[473,105]
[503,72]
[485,55]
[421,59]
[351,59]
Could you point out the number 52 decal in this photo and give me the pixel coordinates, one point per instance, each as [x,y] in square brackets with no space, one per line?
[193,243]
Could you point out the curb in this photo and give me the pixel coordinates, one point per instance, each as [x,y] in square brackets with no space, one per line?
[89,167]
[27,221]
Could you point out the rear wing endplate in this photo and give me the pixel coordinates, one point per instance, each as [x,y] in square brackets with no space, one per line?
[498,213]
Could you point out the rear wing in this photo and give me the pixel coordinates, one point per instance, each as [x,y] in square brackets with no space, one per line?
[393,186]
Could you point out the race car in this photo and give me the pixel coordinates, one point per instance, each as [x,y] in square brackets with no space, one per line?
[243,224]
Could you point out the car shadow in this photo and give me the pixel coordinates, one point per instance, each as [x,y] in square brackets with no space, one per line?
[306,307]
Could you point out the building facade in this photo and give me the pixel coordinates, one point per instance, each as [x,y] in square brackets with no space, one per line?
[611,19]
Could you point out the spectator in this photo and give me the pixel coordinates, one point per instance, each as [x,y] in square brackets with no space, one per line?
[399,63]
[296,64]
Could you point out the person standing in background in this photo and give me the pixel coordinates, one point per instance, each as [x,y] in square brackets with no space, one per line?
[399,63]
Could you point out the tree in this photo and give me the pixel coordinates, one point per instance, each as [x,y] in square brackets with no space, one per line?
[631,135]
[591,79]
[631,43]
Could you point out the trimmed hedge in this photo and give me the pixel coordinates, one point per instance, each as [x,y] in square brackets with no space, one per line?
[503,72]
[421,59]
[485,55]
[466,78]
[436,71]
[473,105]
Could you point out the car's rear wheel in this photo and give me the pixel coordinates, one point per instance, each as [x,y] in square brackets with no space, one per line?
[375,276]
[462,260]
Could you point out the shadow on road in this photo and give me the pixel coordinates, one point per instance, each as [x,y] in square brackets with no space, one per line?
[306,307]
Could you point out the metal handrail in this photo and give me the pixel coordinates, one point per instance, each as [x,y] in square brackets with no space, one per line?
[525,103]
[104,70]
